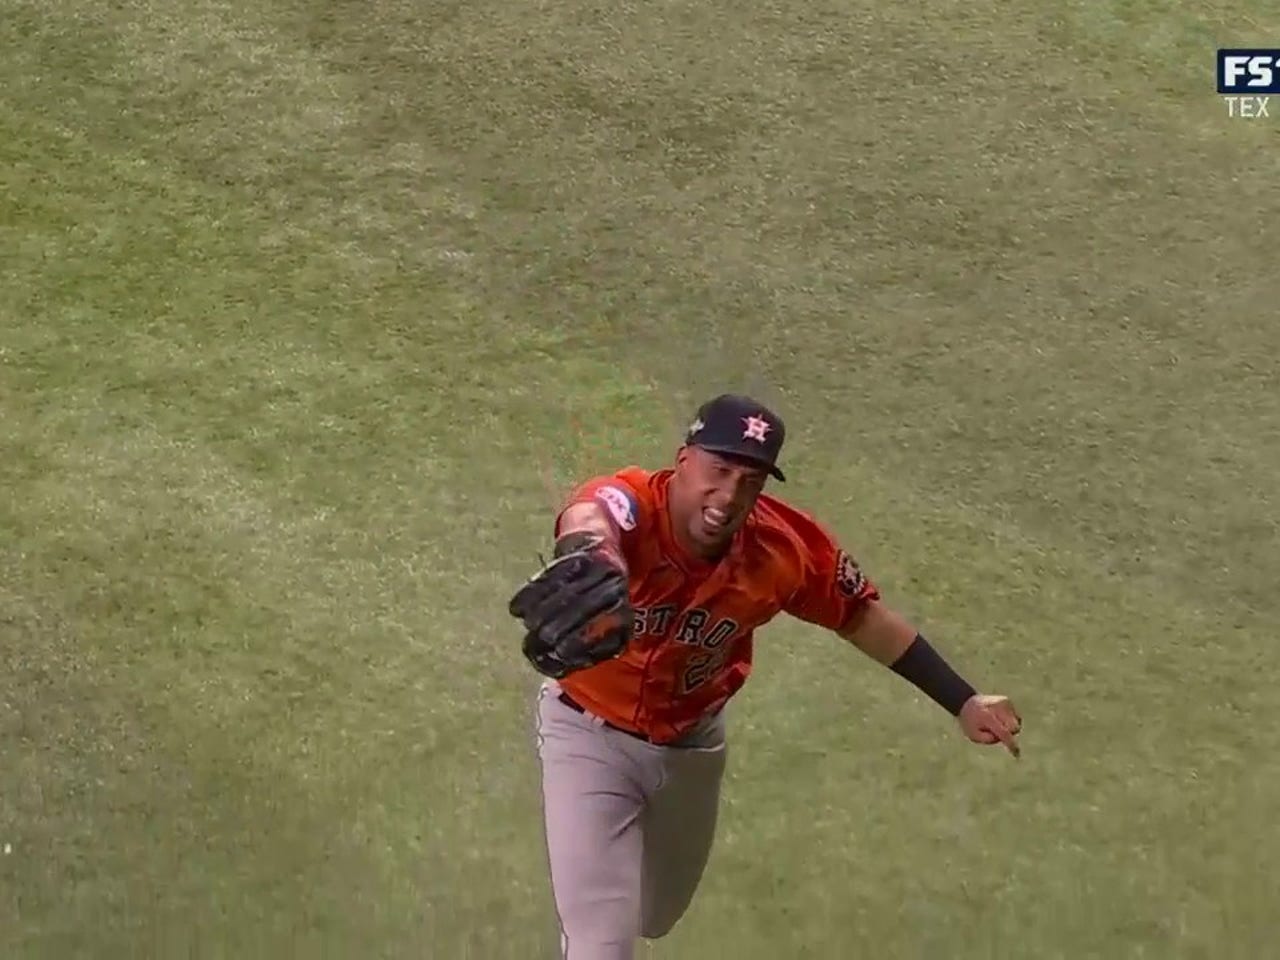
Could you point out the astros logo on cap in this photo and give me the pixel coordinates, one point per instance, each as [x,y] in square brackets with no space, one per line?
[757,427]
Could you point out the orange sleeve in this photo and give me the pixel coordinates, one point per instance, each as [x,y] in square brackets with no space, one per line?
[621,501]
[830,588]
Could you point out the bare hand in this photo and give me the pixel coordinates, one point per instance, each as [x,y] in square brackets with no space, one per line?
[986,718]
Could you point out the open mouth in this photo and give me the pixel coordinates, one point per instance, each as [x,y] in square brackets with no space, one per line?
[715,520]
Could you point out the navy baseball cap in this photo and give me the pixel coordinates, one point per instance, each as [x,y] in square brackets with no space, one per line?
[739,427]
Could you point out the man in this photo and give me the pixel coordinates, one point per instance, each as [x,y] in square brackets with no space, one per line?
[643,626]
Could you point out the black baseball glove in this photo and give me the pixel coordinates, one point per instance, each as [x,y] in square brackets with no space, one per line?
[576,610]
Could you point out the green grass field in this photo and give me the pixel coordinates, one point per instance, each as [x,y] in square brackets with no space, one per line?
[301,302]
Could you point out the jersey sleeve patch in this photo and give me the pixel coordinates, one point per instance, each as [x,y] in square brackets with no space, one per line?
[620,504]
[826,584]
[850,580]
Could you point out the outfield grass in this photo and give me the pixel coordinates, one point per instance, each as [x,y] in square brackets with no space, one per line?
[303,306]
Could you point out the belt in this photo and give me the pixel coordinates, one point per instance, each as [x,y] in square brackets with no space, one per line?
[572,704]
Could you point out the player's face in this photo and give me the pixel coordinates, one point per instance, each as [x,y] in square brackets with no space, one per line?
[711,497]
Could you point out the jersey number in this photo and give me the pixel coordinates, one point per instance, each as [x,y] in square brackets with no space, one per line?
[698,670]
[701,667]
[703,663]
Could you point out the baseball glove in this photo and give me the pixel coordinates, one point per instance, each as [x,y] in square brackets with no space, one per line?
[576,610]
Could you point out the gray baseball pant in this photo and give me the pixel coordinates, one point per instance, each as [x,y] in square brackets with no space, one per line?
[629,826]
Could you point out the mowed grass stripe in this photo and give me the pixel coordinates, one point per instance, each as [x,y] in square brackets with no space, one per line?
[274,654]
[140,465]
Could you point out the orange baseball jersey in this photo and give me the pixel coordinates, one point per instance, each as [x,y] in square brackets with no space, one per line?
[695,620]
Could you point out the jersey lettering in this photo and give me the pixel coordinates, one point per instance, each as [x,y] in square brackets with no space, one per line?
[691,626]
[721,632]
[653,620]
[660,618]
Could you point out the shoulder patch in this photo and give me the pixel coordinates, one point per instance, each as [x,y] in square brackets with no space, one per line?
[620,504]
[849,577]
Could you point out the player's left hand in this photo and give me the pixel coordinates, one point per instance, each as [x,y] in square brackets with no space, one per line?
[988,718]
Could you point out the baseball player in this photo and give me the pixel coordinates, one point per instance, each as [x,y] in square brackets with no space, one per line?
[642,626]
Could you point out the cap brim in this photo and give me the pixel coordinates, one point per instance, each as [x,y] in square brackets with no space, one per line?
[733,453]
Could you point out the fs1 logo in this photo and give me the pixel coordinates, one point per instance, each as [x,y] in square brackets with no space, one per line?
[1246,78]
